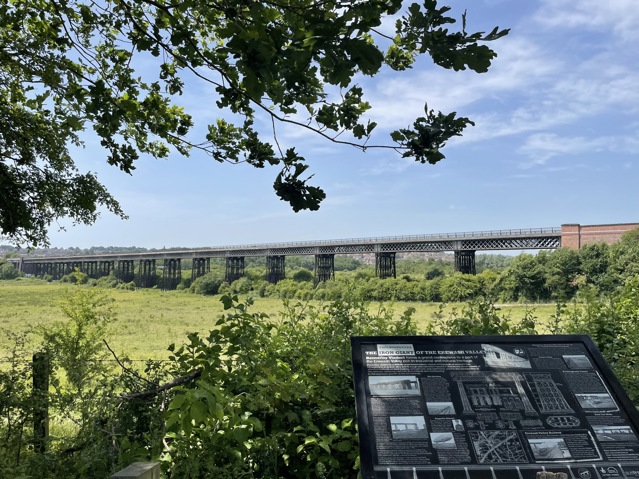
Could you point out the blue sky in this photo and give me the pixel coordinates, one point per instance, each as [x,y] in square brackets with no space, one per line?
[556,141]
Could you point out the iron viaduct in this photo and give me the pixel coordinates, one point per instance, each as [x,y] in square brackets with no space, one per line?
[143,266]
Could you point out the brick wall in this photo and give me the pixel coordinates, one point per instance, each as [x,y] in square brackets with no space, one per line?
[575,235]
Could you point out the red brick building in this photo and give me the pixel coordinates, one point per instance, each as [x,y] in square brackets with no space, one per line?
[575,235]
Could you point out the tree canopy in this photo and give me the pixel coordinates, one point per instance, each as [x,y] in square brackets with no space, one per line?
[118,67]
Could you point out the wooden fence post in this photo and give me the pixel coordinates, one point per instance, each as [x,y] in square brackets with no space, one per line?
[40,401]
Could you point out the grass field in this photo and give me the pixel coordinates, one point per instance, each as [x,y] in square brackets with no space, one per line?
[148,320]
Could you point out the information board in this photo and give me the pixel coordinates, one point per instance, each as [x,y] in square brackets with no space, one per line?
[491,407]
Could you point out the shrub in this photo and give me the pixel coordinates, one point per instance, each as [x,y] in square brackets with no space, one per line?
[432,290]
[209,284]
[260,287]
[480,317]
[76,277]
[224,288]
[16,406]
[611,321]
[303,275]
[95,428]
[185,283]
[130,286]
[275,397]
[242,285]
[459,287]
[7,271]
[109,281]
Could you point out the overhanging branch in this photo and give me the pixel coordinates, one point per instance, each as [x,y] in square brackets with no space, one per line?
[194,374]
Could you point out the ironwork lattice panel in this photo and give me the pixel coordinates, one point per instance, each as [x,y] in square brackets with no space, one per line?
[414,247]
[543,242]
[351,248]
[293,250]
[247,252]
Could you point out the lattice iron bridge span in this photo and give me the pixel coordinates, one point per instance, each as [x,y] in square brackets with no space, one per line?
[143,266]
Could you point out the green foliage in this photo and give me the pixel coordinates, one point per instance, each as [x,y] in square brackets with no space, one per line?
[77,277]
[185,283]
[434,272]
[76,343]
[630,238]
[459,287]
[94,430]
[8,272]
[297,262]
[130,286]
[303,275]
[488,280]
[16,406]
[275,398]
[497,262]
[105,282]
[84,445]
[523,280]
[346,263]
[611,321]
[242,285]
[556,275]
[595,260]
[624,259]
[480,317]
[209,284]
[562,268]
[73,66]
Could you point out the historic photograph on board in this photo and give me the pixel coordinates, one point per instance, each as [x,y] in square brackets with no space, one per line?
[408,427]
[393,386]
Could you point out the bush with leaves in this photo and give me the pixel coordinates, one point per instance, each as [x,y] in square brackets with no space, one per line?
[7,271]
[76,277]
[209,284]
[303,275]
[95,429]
[105,282]
[612,321]
[16,406]
[275,397]
[242,285]
[480,317]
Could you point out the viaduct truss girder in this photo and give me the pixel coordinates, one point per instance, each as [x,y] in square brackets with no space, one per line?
[536,238]
[385,249]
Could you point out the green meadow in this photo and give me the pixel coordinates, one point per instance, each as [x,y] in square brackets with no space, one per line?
[148,320]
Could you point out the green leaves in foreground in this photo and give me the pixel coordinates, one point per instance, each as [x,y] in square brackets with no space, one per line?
[112,73]
[275,398]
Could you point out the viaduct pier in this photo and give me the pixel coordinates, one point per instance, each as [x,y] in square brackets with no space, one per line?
[143,266]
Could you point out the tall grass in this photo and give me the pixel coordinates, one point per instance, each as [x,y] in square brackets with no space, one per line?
[148,320]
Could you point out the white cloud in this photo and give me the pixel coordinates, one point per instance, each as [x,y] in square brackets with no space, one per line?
[522,66]
[618,16]
[540,148]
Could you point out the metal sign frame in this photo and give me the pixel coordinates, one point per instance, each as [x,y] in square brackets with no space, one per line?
[491,407]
